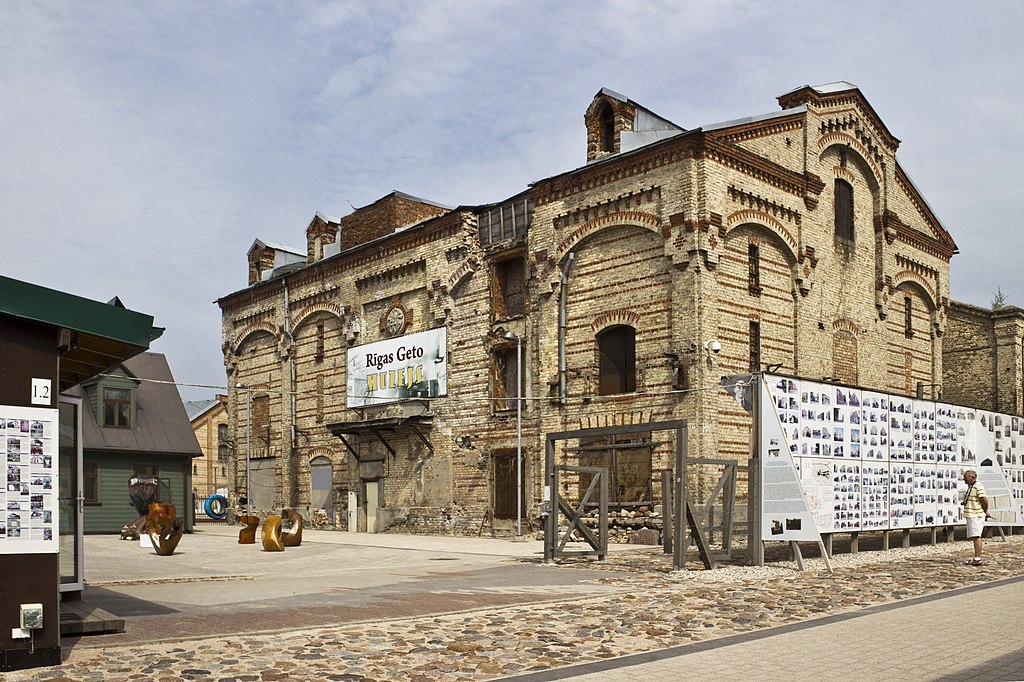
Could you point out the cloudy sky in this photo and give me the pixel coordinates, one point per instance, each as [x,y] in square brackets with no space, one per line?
[145,145]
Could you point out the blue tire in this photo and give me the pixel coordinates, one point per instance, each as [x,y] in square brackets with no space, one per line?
[216,507]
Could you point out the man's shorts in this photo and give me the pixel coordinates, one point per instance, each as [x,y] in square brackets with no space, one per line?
[975,525]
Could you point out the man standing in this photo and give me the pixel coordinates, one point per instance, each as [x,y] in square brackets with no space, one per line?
[975,513]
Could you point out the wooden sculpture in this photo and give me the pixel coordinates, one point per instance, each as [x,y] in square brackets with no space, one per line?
[164,528]
[293,536]
[272,534]
[247,535]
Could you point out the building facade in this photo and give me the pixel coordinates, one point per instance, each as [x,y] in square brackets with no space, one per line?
[792,240]
[209,420]
[983,358]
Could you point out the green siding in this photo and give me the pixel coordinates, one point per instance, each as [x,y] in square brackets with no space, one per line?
[113,472]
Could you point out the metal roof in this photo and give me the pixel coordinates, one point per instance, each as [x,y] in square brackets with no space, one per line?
[161,424]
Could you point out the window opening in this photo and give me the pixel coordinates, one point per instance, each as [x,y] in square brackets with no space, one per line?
[319,355]
[505,382]
[117,407]
[754,269]
[844,210]
[617,361]
[607,120]
[509,288]
[908,317]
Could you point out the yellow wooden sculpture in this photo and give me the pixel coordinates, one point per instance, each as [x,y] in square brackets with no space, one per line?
[293,536]
[247,535]
[164,528]
[272,541]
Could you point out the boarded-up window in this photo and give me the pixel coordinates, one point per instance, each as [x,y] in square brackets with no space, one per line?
[505,378]
[908,317]
[261,419]
[506,221]
[506,485]
[844,210]
[844,357]
[617,360]
[508,292]
[628,461]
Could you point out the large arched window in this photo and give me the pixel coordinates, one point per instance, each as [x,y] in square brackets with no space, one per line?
[617,350]
[844,210]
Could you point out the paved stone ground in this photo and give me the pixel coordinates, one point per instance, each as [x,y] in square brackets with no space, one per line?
[654,609]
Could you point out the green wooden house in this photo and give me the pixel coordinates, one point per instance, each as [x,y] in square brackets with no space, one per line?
[134,424]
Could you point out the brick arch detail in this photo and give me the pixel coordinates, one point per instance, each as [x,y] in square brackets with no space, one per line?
[642,219]
[904,277]
[254,328]
[321,451]
[837,138]
[845,353]
[613,318]
[762,219]
[312,309]
[846,325]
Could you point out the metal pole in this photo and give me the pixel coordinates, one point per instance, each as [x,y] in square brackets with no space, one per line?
[248,430]
[519,437]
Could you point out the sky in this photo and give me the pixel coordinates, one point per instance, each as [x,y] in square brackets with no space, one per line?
[144,145]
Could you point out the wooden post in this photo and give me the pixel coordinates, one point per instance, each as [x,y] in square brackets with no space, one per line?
[906,537]
[854,542]
[679,502]
[666,511]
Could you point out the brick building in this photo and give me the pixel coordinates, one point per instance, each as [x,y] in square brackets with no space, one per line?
[983,358]
[209,420]
[792,239]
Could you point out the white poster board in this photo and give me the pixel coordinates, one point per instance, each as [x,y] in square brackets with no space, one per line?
[411,366]
[868,460]
[29,516]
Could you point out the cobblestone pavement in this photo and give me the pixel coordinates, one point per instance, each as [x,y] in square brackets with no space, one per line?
[655,608]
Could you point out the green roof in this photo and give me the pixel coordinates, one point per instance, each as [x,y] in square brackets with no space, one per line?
[101,334]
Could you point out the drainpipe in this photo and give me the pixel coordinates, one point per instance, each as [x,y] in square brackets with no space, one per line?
[293,426]
[563,294]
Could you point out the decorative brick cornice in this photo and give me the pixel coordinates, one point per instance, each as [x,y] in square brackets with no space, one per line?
[630,201]
[752,131]
[832,100]
[763,205]
[920,268]
[893,228]
[392,274]
[805,185]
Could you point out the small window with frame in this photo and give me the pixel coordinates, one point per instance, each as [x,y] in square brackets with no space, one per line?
[508,288]
[117,407]
[90,483]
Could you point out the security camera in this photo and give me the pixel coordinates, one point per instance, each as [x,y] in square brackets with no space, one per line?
[713,345]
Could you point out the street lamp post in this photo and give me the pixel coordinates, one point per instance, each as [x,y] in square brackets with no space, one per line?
[248,429]
[519,433]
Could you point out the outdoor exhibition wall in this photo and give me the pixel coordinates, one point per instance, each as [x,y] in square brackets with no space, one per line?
[860,460]
[28,520]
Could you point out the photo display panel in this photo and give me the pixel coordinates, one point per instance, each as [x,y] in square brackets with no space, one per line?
[868,460]
[28,520]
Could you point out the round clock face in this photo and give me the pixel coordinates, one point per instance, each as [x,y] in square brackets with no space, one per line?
[394,321]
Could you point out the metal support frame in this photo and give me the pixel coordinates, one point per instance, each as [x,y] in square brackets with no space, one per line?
[683,514]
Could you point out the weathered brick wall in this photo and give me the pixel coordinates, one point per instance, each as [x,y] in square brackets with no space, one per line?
[983,357]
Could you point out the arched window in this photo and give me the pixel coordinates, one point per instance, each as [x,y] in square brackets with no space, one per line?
[617,350]
[844,210]
[607,120]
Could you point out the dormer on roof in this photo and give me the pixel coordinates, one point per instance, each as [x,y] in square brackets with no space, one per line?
[321,231]
[265,258]
[616,124]
[385,216]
